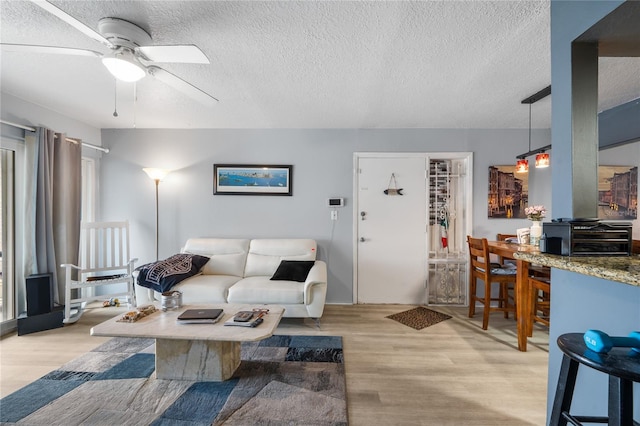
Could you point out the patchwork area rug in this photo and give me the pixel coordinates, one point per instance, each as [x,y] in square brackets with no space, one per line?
[419,317]
[281,380]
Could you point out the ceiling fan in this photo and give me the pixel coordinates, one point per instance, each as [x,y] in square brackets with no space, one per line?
[132,56]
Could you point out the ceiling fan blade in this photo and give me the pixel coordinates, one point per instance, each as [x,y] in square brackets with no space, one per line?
[188,54]
[182,86]
[54,10]
[32,48]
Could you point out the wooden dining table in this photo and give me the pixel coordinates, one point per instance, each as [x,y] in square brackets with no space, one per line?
[523,311]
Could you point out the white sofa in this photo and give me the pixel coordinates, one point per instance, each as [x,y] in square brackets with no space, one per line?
[239,271]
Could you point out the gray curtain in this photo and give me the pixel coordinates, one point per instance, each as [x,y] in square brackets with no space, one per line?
[53,191]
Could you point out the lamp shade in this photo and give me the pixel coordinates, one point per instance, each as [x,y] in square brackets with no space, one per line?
[156,174]
[542,160]
[522,166]
[123,66]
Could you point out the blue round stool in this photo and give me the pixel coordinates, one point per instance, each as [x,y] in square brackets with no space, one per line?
[621,364]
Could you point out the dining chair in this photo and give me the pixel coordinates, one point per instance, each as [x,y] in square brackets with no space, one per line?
[504,237]
[481,269]
[539,302]
[537,270]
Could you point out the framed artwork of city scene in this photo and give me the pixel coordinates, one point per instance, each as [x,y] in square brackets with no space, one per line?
[252,179]
[508,193]
[618,192]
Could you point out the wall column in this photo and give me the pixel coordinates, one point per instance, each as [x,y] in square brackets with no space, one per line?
[584,128]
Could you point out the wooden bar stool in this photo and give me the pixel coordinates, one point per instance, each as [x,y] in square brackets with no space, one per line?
[621,364]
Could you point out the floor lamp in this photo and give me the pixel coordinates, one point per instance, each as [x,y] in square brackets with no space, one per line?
[157,175]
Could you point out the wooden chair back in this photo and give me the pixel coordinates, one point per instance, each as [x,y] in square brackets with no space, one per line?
[481,268]
[104,248]
[102,262]
[503,237]
[479,256]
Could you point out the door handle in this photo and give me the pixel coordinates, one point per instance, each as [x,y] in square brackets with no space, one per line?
[362,239]
[362,215]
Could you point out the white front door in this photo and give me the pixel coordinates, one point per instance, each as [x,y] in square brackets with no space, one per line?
[391,229]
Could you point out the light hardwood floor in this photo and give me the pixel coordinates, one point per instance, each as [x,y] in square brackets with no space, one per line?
[452,373]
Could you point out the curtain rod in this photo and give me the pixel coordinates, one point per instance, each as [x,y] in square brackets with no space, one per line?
[31,129]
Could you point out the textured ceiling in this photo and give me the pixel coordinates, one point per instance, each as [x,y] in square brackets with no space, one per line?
[306,64]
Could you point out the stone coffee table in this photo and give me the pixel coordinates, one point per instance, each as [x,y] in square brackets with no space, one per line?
[198,352]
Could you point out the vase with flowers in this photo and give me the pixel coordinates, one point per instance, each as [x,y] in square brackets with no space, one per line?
[535,214]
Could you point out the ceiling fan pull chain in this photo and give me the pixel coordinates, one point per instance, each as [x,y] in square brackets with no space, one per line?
[115,96]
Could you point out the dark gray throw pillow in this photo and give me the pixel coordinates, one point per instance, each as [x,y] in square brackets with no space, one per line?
[293,270]
[164,274]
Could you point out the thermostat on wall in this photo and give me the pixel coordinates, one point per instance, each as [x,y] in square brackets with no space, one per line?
[335,202]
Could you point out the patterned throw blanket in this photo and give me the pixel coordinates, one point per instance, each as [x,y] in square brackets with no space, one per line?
[164,274]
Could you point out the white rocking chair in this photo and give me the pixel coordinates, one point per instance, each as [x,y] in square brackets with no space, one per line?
[103,261]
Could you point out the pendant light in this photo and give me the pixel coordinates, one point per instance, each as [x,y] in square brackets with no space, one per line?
[542,157]
[542,160]
[522,166]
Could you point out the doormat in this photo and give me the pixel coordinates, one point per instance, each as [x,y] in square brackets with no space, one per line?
[419,317]
[283,380]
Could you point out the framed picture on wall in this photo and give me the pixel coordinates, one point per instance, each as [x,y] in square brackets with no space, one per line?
[252,179]
[508,193]
[618,192]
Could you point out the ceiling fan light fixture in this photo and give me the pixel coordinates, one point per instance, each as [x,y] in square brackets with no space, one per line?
[123,66]
[542,160]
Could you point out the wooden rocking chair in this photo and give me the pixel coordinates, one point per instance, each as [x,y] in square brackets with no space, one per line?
[103,261]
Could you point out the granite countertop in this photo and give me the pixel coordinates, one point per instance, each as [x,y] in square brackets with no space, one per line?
[624,269]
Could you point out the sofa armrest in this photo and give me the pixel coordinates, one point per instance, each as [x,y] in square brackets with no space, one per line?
[317,275]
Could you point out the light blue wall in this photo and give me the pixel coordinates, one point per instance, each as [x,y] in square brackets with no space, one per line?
[580,302]
[620,124]
[18,111]
[323,163]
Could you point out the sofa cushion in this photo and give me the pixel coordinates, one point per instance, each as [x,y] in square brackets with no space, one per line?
[263,290]
[293,270]
[227,255]
[265,255]
[204,289]
[164,274]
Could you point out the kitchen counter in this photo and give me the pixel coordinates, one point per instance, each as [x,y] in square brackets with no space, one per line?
[624,269]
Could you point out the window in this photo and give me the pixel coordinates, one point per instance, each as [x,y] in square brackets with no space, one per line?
[12,213]
[11,236]
[88,189]
[6,231]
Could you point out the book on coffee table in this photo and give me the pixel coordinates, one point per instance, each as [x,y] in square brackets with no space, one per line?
[200,316]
